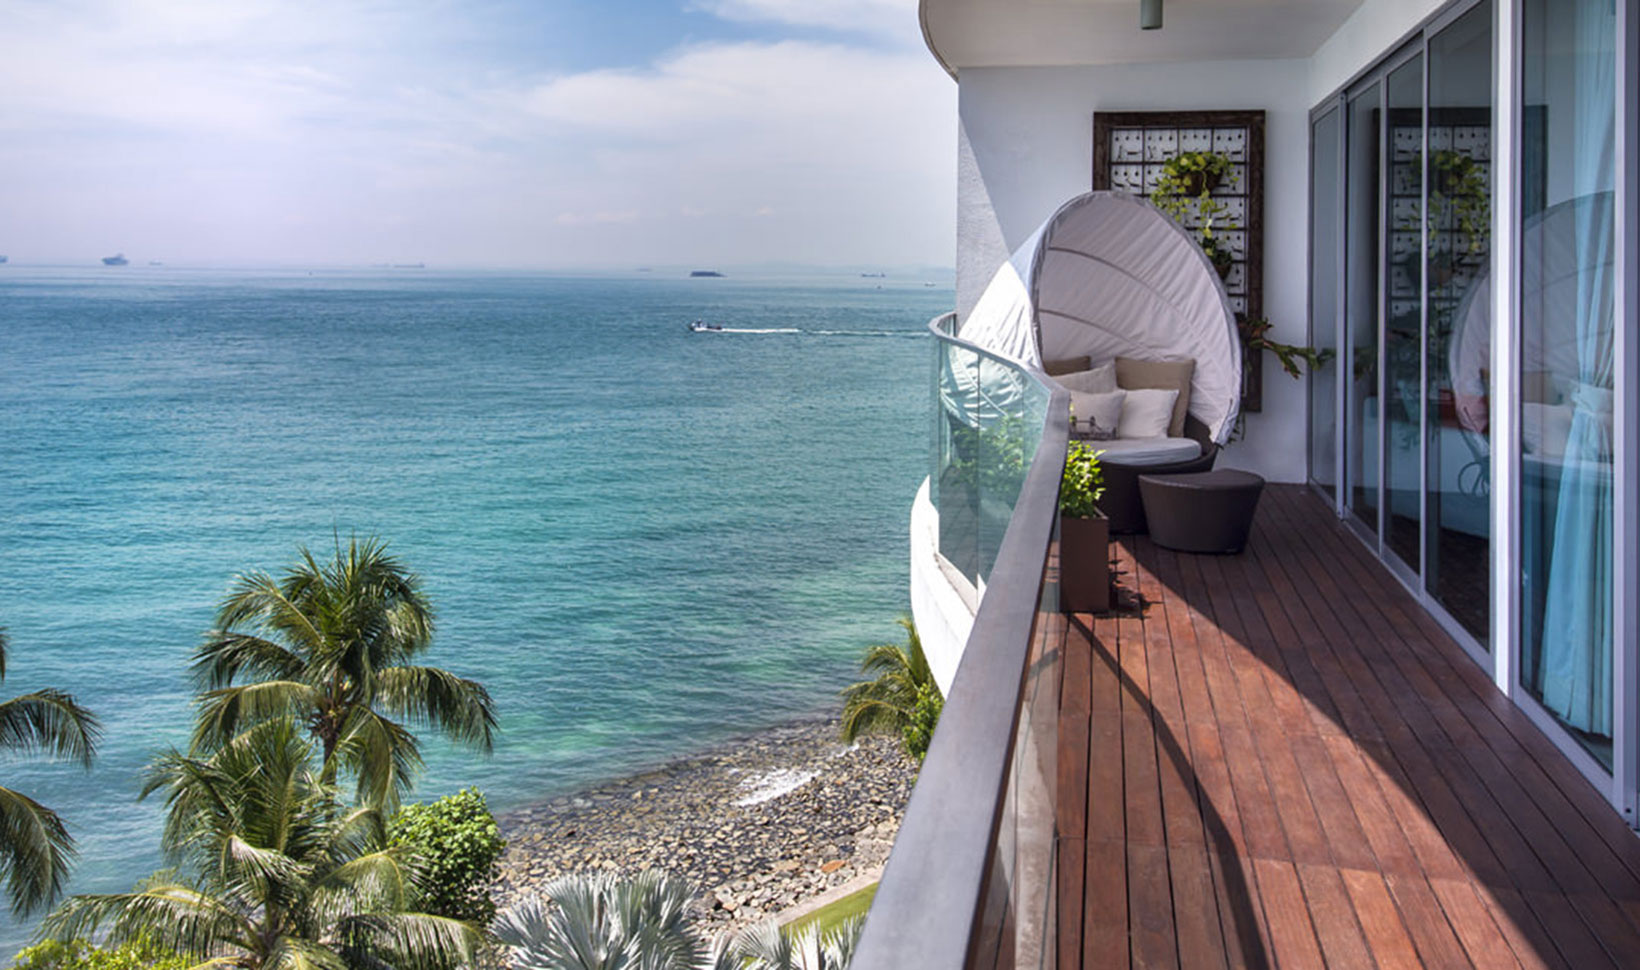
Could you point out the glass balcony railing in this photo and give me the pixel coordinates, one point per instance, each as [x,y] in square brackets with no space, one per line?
[971,882]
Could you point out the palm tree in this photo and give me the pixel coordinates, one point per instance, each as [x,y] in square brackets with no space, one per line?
[284,879]
[605,922]
[901,698]
[768,947]
[35,847]
[332,644]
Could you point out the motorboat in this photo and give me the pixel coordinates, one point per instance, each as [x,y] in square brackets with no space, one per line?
[699,327]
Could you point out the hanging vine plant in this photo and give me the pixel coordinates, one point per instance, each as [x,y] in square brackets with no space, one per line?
[1185,191]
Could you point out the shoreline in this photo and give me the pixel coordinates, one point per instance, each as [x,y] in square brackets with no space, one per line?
[757,826]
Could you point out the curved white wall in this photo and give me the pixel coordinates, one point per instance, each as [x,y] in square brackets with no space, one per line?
[943,611]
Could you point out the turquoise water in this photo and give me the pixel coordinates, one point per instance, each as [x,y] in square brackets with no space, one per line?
[642,540]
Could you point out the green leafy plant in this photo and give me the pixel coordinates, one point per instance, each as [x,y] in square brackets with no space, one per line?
[1083,484]
[1255,339]
[925,716]
[899,699]
[35,847]
[457,846]
[1459,185]
[1185,191]
[277,873]
[141,953]
[1190,174]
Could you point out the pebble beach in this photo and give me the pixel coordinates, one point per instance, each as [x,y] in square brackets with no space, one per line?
[761,826]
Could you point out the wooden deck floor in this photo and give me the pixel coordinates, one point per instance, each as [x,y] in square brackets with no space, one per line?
[1279,760]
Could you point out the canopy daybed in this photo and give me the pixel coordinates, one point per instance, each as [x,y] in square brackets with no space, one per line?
[1110,278]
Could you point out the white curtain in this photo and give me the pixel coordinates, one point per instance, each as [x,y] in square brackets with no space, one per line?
[1576,659]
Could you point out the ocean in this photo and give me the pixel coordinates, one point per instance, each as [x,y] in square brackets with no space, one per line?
[643,541]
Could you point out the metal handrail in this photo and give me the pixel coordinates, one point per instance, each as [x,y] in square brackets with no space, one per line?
[927,906]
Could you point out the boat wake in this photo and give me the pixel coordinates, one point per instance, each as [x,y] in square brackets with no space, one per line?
[811,333]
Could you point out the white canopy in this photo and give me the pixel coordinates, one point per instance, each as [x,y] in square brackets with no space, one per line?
[1109,275]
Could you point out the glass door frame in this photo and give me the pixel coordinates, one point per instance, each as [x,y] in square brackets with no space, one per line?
[1620,784]
[1410,575]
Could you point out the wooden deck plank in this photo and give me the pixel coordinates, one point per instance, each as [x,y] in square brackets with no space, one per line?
[1279,759]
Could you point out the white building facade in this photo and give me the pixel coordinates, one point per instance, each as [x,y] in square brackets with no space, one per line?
[1449,206]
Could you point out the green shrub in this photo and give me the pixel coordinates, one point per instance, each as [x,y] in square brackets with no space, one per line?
[459,846]
[1084,482]
[80,955]
[925,715]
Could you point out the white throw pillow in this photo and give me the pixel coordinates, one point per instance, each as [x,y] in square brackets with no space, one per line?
[1097,415]
[1146,413]
[1099,380]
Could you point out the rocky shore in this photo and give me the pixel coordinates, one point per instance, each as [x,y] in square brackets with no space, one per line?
[757,826]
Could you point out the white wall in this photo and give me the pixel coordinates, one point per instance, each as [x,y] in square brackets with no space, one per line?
[1026,145]
[1367,35]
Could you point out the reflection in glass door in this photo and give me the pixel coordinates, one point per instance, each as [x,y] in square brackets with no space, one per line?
[1403,332]
[1458,316]
[1324,243]
[1567,314]
[1361,306]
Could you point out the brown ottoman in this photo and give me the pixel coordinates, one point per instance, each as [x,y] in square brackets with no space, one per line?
[1203,512]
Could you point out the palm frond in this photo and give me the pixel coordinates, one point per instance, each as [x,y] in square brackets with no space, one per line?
[35,849]
[225,712]
[226,654]
[52,722]
[460,708]
[413,941]
[382,755]
[171,914]
[258,600]
[294,953]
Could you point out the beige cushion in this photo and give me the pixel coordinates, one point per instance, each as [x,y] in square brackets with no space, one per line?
[1146,412]
[1066,365]
[1099,380]
[1174,375]
[1098,415]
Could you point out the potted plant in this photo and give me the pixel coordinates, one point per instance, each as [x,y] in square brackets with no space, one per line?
[1084,534]
[1192,174]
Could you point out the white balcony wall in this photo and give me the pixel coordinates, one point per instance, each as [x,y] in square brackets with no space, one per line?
[1367,35]
[1026,145]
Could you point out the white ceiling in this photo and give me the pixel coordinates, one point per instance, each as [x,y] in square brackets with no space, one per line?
[996,33]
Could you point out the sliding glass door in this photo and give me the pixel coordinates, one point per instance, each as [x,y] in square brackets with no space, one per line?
[1361,234]
[1403,275]
[1413,182]
[1458,322]
[1567,367]
[1326,141]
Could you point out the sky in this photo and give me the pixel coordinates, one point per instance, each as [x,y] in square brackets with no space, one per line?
[507,133]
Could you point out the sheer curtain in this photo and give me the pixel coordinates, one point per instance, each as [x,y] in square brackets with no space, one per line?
[1576,659]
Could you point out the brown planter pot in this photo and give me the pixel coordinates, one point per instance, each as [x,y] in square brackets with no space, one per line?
[1084,565]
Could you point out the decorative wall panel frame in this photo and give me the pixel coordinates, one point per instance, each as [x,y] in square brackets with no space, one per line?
[1131,147]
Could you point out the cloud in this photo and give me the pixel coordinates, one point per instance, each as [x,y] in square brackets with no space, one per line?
[394,130]
[893,18]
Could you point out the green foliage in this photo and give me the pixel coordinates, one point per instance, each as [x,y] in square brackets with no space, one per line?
[334,645]
[35,847]
[457,846]
[282,876]
[1083,484]
[1254,339]
[888,703]
[1185,192]
[925,716]
[139,954]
